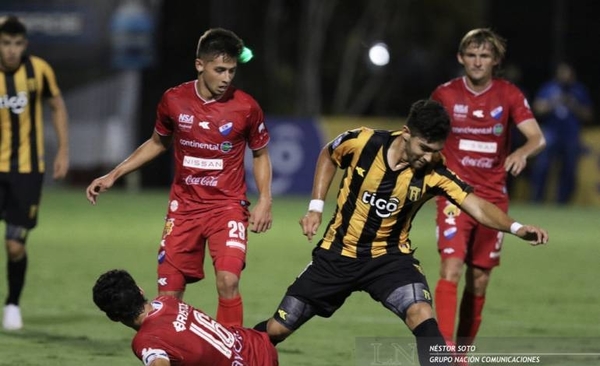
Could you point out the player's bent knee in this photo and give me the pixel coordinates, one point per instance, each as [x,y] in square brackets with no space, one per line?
[292,313]
[417,313]
[403,297]
[227,280]
[452,269]
[16,233]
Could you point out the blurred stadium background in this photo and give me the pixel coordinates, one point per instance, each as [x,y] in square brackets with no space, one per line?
[115,58]
[312,75]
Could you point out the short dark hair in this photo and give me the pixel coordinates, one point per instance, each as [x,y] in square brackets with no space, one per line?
[117,294]
[218,41]
[13,26]
[428,119]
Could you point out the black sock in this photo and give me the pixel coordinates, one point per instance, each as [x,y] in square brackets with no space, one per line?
[261,327]
[429,343]
[16,279]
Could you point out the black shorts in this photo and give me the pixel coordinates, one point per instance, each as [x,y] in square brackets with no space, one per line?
[330,278]
[20,196]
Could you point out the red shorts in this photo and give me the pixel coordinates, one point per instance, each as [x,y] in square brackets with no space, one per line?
[257,348]
[461,236]
[183,245]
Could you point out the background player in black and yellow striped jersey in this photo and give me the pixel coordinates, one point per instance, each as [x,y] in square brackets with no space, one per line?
[389,175]
[25,82]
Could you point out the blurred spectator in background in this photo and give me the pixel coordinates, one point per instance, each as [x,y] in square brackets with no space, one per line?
[561,104]
[26,82]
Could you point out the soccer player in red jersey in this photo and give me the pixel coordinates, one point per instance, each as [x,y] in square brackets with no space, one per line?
[209,123]
[171,332]
[482,109]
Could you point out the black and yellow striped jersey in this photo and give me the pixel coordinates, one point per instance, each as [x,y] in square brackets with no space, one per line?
[375,204]
[21,111]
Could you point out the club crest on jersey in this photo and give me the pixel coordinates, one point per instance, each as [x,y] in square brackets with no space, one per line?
[414,193]
[226,128]
[31,85]
[496,113]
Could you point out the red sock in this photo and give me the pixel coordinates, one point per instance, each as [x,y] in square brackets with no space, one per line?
[445,307]
[230,311]
[471,308]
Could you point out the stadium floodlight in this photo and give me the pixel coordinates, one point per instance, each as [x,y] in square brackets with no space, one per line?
[379,54]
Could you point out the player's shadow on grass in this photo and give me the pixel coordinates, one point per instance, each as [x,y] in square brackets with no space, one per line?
[291,351]
[95,347]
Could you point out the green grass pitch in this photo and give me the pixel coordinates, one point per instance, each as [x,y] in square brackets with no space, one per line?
[545,293]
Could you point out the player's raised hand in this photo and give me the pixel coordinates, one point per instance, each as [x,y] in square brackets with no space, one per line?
[310,224]
[98,186]
[534,235]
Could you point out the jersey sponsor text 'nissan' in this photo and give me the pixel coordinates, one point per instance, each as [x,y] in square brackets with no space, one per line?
[209,141]
[479,140]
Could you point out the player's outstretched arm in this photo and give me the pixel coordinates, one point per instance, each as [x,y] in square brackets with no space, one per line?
[149,150]
[324,173]
[491,216]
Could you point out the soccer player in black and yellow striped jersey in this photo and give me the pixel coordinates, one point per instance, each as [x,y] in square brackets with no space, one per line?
[25,83]
[389,175]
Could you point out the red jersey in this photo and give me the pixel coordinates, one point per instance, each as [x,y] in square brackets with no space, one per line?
[479,140]
[188,337]
[209,142]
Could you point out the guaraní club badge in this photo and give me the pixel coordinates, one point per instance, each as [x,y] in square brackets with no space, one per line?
[226,128]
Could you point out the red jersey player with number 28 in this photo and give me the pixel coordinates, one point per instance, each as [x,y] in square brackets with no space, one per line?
[209,123]
[482,108]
